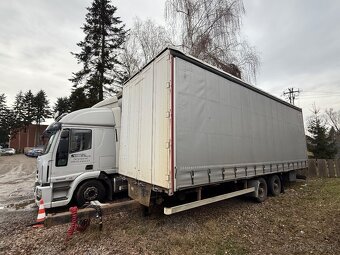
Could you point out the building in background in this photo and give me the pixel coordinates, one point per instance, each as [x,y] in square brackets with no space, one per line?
[30,136]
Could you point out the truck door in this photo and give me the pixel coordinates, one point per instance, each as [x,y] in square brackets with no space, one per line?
[74,154]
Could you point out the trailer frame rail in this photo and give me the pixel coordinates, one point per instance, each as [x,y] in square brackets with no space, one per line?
[187,206]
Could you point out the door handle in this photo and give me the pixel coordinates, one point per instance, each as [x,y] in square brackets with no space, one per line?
[89,167]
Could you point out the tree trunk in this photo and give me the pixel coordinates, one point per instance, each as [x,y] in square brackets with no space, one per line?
[102,68]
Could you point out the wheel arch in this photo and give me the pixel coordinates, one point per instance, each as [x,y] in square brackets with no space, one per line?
[97,176]
[80,180]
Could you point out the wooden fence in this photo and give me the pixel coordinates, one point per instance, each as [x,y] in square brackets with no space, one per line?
[322,168]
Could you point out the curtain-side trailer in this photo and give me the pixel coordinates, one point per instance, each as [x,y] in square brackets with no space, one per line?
[187,125]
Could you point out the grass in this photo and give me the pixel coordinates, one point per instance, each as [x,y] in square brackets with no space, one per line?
[239,226]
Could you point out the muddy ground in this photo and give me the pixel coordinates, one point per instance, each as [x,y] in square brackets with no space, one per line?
[17,174]
[304,220]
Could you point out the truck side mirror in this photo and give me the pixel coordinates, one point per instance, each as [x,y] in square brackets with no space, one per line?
[62,152]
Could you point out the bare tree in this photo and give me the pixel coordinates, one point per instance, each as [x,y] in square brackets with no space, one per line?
[334,118]
[152,38]
[129,58]
[146,39]
[210,30]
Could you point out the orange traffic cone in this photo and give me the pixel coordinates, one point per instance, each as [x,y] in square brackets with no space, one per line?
[41,215]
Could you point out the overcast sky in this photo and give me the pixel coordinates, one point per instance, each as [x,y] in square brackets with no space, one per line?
[298,42]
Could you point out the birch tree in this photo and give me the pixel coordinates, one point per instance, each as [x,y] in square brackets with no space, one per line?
[145,40]
[210,30]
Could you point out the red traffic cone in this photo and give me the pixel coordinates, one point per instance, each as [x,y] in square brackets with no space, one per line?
[41,215]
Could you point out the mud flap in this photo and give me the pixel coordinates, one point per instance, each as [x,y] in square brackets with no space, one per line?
[140,192]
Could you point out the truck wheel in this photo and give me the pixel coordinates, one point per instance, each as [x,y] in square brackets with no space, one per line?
[274,184]
[262,191]
[89,191]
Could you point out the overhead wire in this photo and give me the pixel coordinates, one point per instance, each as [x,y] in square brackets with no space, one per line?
[318,94]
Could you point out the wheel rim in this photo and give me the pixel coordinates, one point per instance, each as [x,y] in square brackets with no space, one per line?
[91,193]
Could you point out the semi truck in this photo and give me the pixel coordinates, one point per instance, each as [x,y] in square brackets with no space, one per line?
[180,127]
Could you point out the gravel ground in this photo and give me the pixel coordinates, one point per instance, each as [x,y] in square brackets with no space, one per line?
[304,220]
[17,208]
[17,174]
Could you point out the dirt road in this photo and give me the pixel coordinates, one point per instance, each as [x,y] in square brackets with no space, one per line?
[304,220]
[17,174]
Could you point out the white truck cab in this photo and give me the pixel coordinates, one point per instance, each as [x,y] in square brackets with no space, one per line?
[80,161]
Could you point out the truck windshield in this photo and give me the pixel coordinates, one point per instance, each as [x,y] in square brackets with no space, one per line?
[49,144]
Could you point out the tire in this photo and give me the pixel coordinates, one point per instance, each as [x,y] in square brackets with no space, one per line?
[274,185]
[89,191]
[262,191]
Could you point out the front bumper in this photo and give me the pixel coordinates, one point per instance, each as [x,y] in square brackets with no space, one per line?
[45,193]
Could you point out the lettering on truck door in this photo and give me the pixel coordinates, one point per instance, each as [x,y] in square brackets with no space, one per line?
[74,154]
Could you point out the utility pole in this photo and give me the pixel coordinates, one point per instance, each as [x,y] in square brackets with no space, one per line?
[291,94]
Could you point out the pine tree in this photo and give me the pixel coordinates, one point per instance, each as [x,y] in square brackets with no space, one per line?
[28,108]
[41,111]
[41,107]
[322,143]
[6,120]
[18,109]
[62,105]
[105,34]
[3,109]
[78,100]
